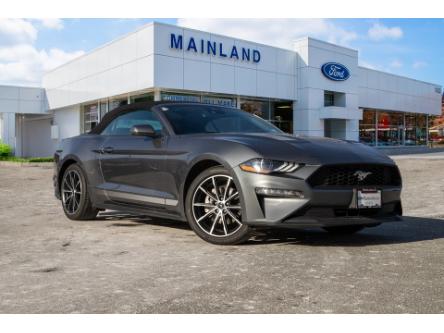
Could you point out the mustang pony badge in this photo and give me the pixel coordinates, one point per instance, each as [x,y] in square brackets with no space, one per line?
[361,175]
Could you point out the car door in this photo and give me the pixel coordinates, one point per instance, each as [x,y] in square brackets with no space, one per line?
[133,166]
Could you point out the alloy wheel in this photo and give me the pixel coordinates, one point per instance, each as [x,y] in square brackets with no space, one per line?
[216,206]
[71,191]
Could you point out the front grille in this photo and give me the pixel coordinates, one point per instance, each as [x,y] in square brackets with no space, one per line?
[355,175]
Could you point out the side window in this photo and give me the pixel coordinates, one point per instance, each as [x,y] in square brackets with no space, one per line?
[122,124]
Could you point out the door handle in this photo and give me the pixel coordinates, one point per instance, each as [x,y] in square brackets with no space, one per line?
[107,150]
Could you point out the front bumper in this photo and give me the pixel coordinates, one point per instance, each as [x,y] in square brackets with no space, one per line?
[320,207]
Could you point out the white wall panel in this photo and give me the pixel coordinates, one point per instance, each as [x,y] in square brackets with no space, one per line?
[286,62]
[246,81]
[68,120]
[145,70]
[391,92]
[129,75]
[128,48]
[285,86]
[22,99]
[268,60]
[168,72]
[145,41]
[222,79]
[162,38]
[9,105]
[266,84]
[29,106]
[197,75]
[9,92]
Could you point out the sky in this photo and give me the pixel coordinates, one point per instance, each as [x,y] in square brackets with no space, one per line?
[410,47]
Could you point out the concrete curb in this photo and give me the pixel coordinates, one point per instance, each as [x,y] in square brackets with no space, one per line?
[45,165]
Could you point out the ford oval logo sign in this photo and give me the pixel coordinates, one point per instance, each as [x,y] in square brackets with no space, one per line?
[335,71]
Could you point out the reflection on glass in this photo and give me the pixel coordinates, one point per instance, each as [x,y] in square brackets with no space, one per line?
[259,108]
[90,117]
[278,113]
[116,103]
[367,128]
[390,128]
[282,116]
[148,97]
[393,128]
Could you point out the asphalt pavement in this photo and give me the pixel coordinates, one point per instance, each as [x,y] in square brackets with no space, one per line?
[134,264]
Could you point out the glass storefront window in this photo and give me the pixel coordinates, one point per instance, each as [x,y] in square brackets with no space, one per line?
[113,104]
[282,115]
[421,129]
[103,109]
[278,113]
[90,117]
[390,128]
[393,128]
[217,100]
[329,98]
[367,128]
[149,97]
[259,108]
[173,97]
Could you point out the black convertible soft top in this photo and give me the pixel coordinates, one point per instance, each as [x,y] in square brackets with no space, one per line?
[109,117]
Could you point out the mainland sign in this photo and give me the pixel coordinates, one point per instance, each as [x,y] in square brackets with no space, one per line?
[213,48]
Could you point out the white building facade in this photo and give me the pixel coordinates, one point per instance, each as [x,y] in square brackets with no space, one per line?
[312,88]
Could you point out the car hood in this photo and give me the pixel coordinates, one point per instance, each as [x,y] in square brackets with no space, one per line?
[309,150]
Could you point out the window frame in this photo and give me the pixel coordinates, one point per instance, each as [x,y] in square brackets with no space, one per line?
[164,131]
[170,129]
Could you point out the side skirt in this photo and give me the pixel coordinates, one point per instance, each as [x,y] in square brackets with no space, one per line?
[133,209]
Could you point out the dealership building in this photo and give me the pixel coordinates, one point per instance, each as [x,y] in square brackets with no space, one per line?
[312,88]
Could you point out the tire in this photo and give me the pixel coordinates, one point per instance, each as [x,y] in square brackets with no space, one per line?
[344,230]
[217,222]
[76,203]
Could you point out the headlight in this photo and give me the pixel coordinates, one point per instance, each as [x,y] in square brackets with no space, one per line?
[260,165]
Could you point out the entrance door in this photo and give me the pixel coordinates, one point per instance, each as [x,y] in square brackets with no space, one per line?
[335,128]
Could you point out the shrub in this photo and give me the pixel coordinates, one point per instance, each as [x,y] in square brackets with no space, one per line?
[5,149]
[26,160]
[41,159]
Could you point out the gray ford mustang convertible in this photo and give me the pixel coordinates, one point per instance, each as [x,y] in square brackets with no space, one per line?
[224,171]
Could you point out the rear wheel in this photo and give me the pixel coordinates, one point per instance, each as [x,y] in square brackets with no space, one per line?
[75,199]
[347,229]
[214,209]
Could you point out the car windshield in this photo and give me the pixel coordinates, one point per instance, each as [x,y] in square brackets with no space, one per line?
[196,119]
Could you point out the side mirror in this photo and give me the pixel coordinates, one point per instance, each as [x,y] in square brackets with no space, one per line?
[144,130]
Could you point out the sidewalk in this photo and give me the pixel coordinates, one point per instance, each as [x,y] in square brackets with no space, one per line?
[393,151]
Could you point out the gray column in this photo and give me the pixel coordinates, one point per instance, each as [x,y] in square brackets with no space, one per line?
[157,97]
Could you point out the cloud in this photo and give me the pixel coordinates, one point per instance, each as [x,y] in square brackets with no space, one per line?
[21,62]
[369,65]
[419,64]
[380,32]
[13,31]
[52,23]
[396,64]
[276,32]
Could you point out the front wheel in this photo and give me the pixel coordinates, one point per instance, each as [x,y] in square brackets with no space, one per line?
[214,208]
[75,199]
